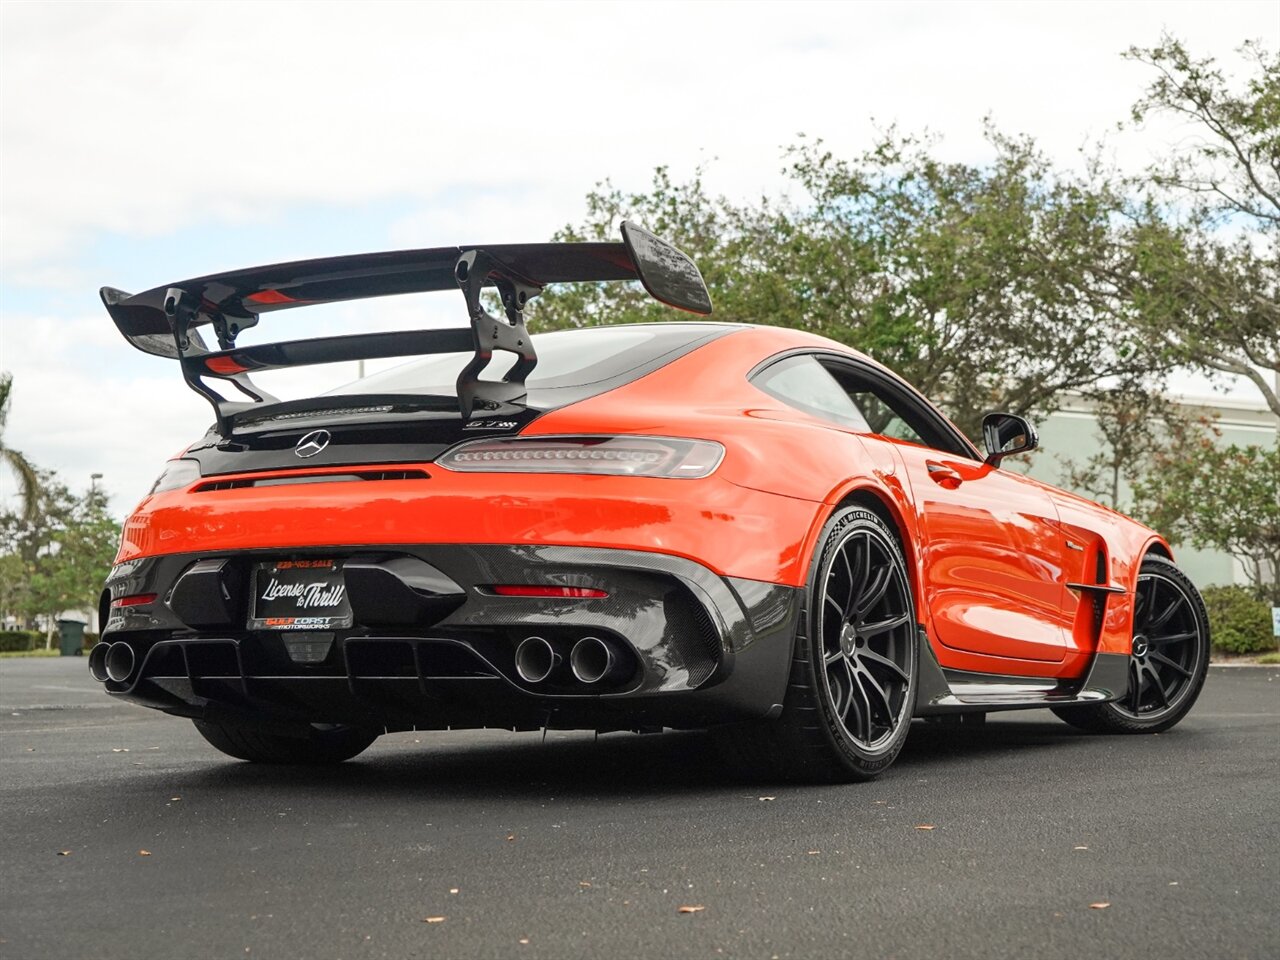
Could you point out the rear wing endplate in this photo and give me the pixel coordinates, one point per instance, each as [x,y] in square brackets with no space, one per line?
[167,321]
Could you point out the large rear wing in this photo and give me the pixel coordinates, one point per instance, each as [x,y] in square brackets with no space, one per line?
[166,321]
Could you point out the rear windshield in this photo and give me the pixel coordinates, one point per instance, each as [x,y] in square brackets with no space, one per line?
[566,358]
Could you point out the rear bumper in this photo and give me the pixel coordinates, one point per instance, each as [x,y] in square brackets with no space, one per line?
[732,530]
[432,648]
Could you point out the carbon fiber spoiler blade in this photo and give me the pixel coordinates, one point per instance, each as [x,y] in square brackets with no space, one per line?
[167,321]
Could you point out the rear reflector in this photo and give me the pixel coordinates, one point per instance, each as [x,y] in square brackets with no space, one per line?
[576,593]
[137,600]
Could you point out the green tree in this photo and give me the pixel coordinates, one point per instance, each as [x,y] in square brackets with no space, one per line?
[1209,233]
[986,286]
[64,552]
[13,584]
[1133,425]
[1208,237]
[1226,498]
[1231,163]
[26,473]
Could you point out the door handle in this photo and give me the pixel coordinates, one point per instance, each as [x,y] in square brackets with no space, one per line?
[942,475]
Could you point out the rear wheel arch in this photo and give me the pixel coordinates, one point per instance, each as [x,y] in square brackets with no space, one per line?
[874,641]
[868,498]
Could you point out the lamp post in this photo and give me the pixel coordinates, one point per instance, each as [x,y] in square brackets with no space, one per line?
[93,483]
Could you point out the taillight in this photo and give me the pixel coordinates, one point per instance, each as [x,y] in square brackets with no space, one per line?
[611,456]
[176,473]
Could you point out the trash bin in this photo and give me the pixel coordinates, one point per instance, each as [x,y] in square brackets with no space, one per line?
[71,637]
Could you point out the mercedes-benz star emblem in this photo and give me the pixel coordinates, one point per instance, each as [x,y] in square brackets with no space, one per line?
[312,443]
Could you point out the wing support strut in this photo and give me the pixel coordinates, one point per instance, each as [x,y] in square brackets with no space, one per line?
[474,270]
[181,308]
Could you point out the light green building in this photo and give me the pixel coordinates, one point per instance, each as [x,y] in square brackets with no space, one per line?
[1071,434]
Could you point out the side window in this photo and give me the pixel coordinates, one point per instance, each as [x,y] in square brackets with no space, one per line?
[894,414]
[840,392]
[804,383]
[881,417]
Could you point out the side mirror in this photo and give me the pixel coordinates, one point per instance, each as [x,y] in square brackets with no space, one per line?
[1006,434]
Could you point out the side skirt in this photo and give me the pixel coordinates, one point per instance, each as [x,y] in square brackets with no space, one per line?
[942,692]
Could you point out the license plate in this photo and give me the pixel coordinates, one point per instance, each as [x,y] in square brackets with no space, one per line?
[299,595]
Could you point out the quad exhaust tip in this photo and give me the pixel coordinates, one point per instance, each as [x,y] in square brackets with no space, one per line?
[592,660]
[118,662]
[536,659]
[98,661]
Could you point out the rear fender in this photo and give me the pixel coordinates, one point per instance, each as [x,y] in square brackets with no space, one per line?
[885,496]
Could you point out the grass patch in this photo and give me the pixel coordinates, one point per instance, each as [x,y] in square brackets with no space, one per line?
[1270,659]
[10,654]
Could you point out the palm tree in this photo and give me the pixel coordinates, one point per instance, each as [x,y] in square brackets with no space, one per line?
[19,464]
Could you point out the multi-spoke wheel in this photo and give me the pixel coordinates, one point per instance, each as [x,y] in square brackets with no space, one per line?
[1168,660]
[865,626]
[852,686]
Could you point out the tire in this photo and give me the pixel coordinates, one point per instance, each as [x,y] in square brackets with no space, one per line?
[1168,662]
[851,691]
[321,745]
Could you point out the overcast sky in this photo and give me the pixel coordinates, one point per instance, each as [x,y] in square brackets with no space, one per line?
[145,143]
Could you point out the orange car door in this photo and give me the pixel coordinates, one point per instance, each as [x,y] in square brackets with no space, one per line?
[992,556]
[991,545]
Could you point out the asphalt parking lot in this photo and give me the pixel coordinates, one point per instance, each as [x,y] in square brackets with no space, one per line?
[579,847]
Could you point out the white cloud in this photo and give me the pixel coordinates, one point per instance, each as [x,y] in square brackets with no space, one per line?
[76,410]
[136,117]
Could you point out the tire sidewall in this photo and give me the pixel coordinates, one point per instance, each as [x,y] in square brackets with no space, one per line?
[843,524]
[1154,564]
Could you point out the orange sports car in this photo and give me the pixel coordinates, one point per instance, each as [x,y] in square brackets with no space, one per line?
[686,524]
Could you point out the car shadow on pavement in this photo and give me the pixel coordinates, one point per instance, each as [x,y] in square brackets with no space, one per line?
[614,764]
[625,764]
[938,743]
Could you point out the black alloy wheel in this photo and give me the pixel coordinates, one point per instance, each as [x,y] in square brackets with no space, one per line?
[852,687]
[1166,642]
[1168,660]
[865,625]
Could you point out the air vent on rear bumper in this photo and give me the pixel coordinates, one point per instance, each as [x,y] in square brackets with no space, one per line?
[296,478]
